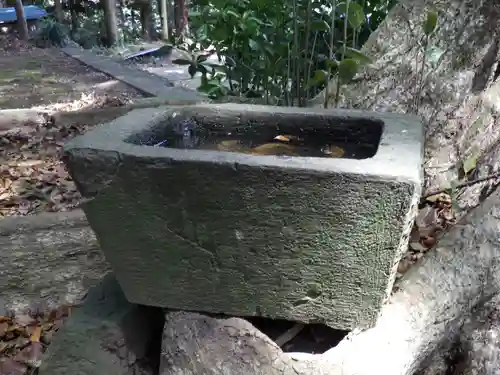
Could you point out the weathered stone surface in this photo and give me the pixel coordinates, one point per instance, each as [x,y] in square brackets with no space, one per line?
[106,335]
[307,239]
[441,319]
[213,346]
[48,258]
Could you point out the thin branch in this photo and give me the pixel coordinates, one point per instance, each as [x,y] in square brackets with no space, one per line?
[462,185]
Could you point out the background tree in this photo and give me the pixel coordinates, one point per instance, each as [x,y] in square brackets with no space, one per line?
[21,21]
[110,23]
[147,28]
[59,11]
[180,17]
[163,10]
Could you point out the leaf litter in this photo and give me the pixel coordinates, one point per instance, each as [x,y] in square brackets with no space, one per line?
[32,177]
[435,216]
[25,337]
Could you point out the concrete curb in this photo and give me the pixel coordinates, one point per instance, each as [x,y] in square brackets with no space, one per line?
[147,83]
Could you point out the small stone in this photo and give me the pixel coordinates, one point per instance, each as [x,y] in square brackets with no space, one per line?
[404,265]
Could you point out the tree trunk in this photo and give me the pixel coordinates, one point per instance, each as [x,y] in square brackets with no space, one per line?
[133,21]
[59,11]
[458,99]
[163,9]
[121,13]
[180,17]
[147,20]
[110,22]
[74,16]
[22,25]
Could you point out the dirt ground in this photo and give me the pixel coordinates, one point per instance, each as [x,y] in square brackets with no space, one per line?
[32,177]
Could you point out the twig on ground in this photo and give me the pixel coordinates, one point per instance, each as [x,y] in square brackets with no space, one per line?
[289,334]
[462,185]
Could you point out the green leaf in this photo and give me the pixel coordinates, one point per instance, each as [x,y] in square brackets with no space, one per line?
[202,57]
[332,63]
[256,20]
[182,62]
[433,55]
[320,77]
[348,68]
[207,87]
[471,163]
[320,25]
[202,31]
[430,22]
[253,44]
[230,62]
[355,14]
[232,13]
[357,55]
[192,70]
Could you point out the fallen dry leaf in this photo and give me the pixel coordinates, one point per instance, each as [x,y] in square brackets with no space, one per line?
[32,177]
[36,334]
[23,320]
[30,355]
[432,219]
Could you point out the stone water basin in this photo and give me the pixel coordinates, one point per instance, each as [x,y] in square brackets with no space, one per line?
[289,213]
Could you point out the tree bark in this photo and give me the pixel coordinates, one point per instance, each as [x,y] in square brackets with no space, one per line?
[180,17]
[59,11]
[163,9]
[147,20]
[110,22]
[22,25]
[457,95]
[121,13]
[74,16]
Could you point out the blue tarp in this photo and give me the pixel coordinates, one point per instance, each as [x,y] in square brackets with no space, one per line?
[32,12]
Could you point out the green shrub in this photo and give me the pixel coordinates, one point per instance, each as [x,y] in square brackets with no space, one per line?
[49,32]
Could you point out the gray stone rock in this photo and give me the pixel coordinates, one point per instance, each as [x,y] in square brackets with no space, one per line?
[106,335]
[311,239]
[198,344]
[48,259]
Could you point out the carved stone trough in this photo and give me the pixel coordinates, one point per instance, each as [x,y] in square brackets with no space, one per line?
[297,214]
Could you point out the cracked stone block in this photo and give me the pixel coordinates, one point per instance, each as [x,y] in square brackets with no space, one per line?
[291,213]
[106,335]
